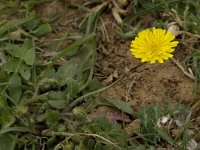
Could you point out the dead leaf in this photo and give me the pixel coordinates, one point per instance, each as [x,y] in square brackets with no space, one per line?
[111,76]
[133,126]
[116,15]
[109,79]
[122,2]
[174,29]
[113,115]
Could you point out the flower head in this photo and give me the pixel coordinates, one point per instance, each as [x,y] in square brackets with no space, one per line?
[152,45]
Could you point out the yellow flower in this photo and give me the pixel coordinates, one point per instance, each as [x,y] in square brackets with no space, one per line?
[152,45]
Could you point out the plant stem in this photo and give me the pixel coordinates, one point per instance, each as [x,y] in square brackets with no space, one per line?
[80,99]
[196,105]
[73,46]
[85,134]
[92,66]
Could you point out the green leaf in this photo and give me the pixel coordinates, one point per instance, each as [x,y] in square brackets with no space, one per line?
[29,56]
[17,50]
[10,66]
[68,70]
[91,103]
[26,52]
[74,45]
[40,117]
[72,86]
[29,52]
[72,52]
[48,73]
[91,144]
[3,102]
[94,85]
[6,119]
[14,129]
[42,30]
[58,104]
[164,135]
[31,24]
[14,87]
[25,71]
[3,76]
[98,146]
[56,95]
[122,105]
[7,142]
[9,27]
[15,81]
[57,99]
[91,22]
[51,116]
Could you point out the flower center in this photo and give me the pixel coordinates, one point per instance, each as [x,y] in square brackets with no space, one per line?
[154,48]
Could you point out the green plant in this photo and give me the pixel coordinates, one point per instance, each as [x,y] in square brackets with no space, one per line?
[34,96]
[48,88]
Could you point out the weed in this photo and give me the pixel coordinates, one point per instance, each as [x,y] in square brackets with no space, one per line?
[47,90]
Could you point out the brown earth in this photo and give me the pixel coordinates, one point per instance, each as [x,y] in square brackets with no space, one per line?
[148,84]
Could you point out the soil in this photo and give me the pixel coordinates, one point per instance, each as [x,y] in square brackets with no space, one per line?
[148,84]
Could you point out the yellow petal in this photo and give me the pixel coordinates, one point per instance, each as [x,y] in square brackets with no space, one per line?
[154,44]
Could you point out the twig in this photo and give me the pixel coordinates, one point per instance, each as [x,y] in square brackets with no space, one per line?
[196,105]
[28,34]
[118,9]
[116,15]
[182,69]
[104,30]
[85,134]
[190,34]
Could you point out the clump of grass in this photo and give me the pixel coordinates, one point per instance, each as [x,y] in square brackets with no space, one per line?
[150,134]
